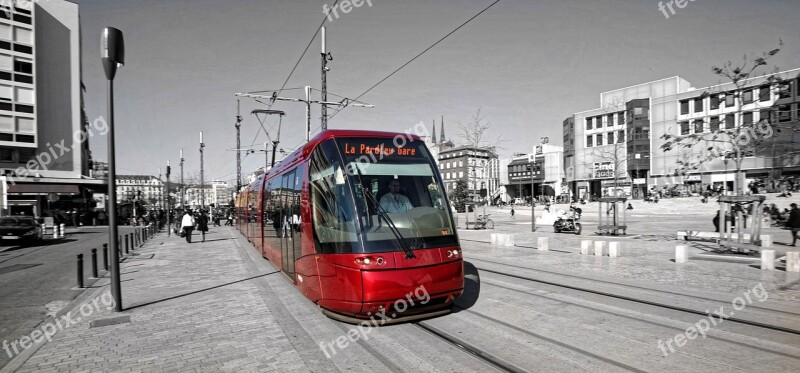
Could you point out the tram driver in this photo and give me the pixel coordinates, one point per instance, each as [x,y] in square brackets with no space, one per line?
[394,201]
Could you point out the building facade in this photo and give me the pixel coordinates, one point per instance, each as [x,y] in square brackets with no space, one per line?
[144,191]
[539,173]
[44,131]
[617,149]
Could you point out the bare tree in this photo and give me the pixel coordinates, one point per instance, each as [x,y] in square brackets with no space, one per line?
[734,141]
[475,134]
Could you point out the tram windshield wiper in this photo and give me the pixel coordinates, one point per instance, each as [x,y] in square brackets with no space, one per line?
[407,249]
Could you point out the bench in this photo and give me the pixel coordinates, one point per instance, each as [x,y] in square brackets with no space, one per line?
[686,235]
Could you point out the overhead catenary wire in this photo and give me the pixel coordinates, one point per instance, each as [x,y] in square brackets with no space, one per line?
[420,54]
[283,86]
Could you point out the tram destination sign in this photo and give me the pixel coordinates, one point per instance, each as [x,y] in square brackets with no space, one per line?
[380,148]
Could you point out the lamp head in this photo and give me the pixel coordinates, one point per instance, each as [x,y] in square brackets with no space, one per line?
[112,51]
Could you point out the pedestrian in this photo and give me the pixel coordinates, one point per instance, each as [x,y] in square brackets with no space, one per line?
[630,207]
[512,211]
[187,224]
[794,222]
[202,224]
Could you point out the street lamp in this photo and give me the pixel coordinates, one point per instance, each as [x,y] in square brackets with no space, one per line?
[112,47]
[202,195]
[533,203]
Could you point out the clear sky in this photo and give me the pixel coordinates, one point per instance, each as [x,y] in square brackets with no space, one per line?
[528,64]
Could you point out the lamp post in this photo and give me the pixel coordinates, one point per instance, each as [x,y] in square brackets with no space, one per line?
[183,190]
[533,203]
[112,49]
[169,205]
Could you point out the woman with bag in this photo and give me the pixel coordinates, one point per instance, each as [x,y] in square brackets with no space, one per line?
[187,226]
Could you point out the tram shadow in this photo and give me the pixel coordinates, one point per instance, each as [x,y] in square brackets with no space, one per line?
[472,288]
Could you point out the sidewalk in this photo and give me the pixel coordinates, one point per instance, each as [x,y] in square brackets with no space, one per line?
[191,307]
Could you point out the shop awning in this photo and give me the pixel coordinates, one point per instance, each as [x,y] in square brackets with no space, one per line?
[43,189]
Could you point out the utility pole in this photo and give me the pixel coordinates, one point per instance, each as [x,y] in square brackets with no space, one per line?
[183,189]
[169,205]
[238,148]
[308,101]
[202,182]
[325,58]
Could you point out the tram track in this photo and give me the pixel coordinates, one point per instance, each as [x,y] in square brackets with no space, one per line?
[639,319]
[627,285]
[469,348]
[642,301]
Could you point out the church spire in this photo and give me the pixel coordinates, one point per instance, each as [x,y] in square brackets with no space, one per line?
[441,137]
[433,131]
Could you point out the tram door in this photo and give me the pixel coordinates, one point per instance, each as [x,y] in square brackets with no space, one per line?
[287,219]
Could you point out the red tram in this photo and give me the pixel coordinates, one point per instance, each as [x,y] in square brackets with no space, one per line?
[359,221]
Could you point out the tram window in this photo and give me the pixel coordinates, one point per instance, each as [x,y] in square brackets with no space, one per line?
[331,202]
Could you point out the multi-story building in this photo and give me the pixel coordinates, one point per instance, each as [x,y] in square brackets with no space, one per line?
[539,173]
[618,148]
[478,166]
[222,193]
[44,155]
[197,196]
[145,191]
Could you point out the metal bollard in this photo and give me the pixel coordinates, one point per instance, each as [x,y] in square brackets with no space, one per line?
[105,257]
[126,244]
[94,263]
[80,270]
[62,228]
[119,245]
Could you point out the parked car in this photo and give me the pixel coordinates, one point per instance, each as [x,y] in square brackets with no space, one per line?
[19,229]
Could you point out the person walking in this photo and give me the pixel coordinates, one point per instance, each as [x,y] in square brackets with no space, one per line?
[794,222]
[512,211]
[202,224]
[187,224]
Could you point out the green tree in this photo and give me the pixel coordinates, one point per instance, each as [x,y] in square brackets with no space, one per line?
[460,195]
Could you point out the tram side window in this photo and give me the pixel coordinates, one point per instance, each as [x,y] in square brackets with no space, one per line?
[331,202]
[274,204]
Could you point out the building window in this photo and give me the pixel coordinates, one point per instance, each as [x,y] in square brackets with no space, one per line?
[589,141]
[698,104]
[25,95]
[22,35]
[5,31]
[747,118]
[6,123]
[698,126]
[460,174]
[621,136]
[747,96]
[684,128]
[684,107]
[26,125]
[730,99]
[26,138]
[6,155]
[646,133]
[713,102]
[785,90]
[25,109]
[763,115]
[714,124]
[588,123]
[621,117]
[610,120]
[784,113]
[6,137]
[763,93]
[23,66]
[599,139]
[610,138]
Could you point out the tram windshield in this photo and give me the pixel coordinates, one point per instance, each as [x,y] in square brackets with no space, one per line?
[385,190]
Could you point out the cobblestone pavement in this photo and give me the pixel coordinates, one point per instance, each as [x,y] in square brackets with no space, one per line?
[192,308]
[647,251]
